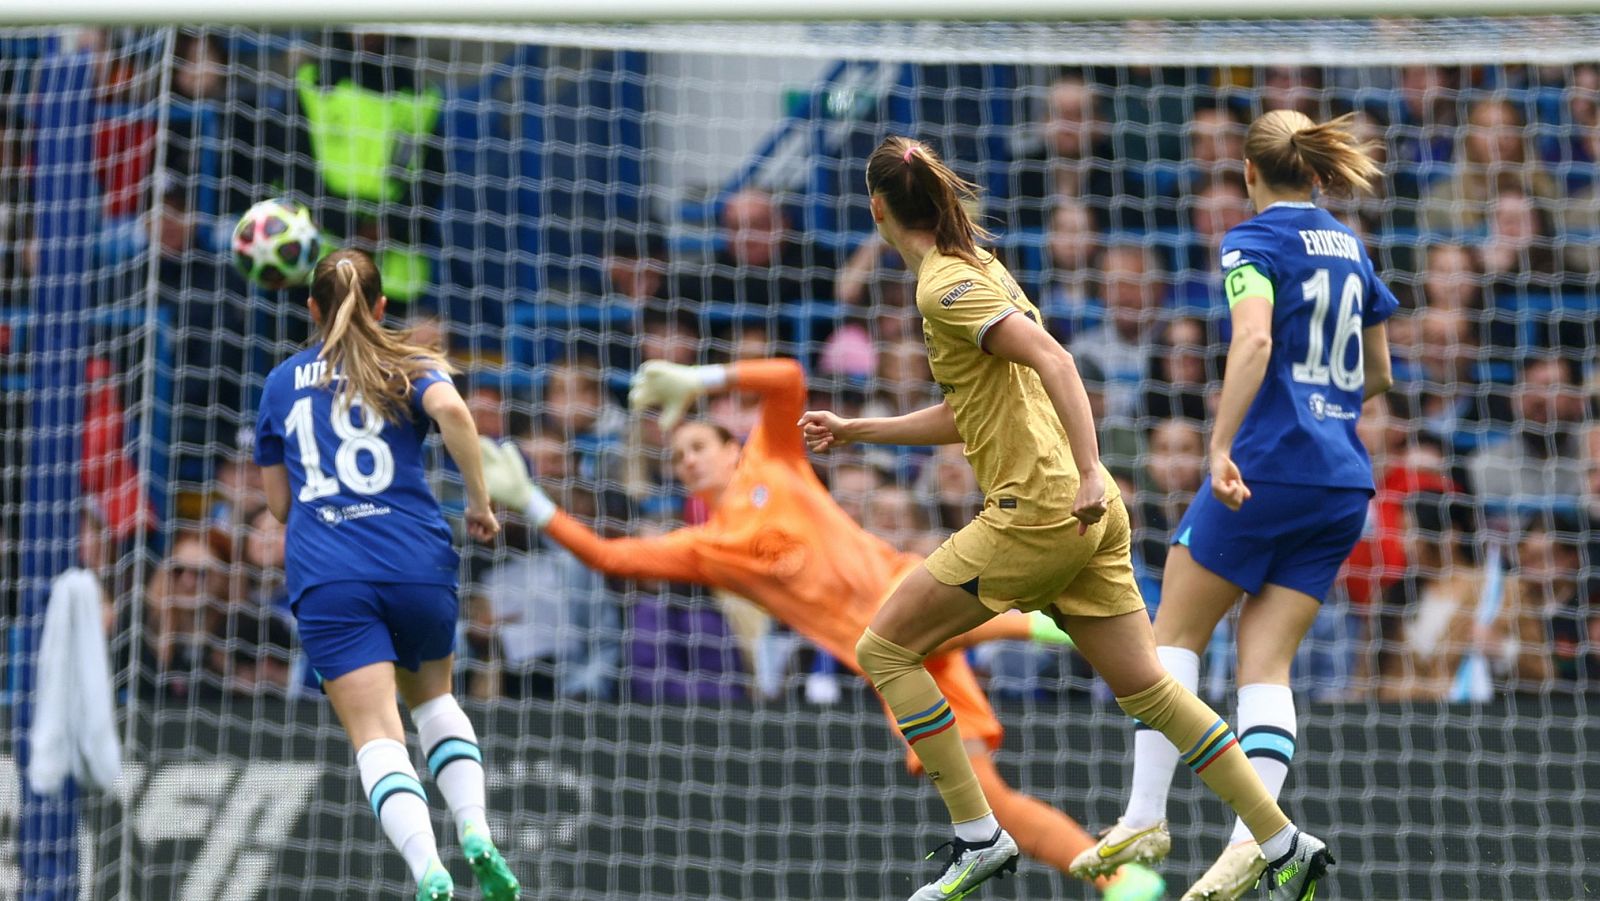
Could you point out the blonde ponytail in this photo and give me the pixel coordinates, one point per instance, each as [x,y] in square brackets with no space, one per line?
[1291,151]
[373,362]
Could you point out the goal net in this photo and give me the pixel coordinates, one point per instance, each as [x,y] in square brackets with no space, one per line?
[557,204]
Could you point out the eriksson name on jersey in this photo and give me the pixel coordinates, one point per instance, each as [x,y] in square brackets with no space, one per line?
[1325,242]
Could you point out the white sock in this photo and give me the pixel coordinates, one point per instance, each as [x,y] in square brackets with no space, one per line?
[399,801]
[1154,758]
[454,759]
[978,831]
[1266,725]
[1279,844]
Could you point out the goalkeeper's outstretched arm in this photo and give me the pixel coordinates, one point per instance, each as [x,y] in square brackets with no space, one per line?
[673,557]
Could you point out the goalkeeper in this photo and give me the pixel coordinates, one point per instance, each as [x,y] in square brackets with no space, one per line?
[776,537]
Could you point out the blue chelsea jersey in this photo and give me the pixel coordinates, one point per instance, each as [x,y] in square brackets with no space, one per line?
[361,509]
[1301,429]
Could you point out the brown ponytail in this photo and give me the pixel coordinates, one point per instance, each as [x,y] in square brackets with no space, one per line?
[1291,151]
[374,362]
[924,194]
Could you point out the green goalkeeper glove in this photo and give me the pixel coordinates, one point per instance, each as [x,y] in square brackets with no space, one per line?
[505,474]
[672,387]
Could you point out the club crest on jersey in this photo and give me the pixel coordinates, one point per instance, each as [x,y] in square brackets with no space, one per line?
[955,294]
[1322,409]
[758,496]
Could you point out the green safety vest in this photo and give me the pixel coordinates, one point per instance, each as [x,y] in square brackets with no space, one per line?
[355,133]
[354,136]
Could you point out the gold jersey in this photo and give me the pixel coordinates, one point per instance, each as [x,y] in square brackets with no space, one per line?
[1014,440]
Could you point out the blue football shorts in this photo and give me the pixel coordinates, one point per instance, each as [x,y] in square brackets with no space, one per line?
[347,625]
[1295,536]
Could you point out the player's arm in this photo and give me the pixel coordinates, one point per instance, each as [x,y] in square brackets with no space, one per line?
[672,557]
[1377,369]
[1381,304]
[924,427]
[269,455]
[780,382]
[443,404]
[275,482]
[1250,299]
[1018,339]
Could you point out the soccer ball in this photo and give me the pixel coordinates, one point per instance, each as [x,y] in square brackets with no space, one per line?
[276,245]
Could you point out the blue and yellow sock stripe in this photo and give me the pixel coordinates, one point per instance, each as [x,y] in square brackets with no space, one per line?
[928,723]
[1216,740]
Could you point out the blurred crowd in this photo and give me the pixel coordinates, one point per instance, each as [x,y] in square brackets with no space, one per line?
[1118,186]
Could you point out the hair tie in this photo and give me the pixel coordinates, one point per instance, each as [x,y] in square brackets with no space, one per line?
[343,263]
[909,151]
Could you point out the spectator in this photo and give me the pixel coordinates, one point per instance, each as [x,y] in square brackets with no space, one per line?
[1068,298]
[761,266]
[368,126]
[893,514]
[487,407]
[1542,460]
[1424,625]
[1551,640]
[1450,280]
[1449,387]
[852,485]
[576,410]
[1404,462]
[182,605]
[252,637]
[236,482]
[1174,469]
[1421,120]
[667,336]
[1494,156]
[1215,151]
[903,384]
[1119,349]
[1216,146]
[947,484]
[1071,156]
[636,268]
[1217,206]
[1518,252]
[1180,372]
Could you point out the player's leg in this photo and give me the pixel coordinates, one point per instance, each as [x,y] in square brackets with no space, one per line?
[1323,526]
[1122,650]
[425,679]
[1271,627]
[918,617]
[364,702]
[1193,601]
[1051,837]
[348,643]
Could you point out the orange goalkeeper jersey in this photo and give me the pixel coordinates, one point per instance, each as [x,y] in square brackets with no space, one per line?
[776,536]
[778,539]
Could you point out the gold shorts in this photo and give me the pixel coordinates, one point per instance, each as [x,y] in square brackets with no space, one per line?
[1031,567]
